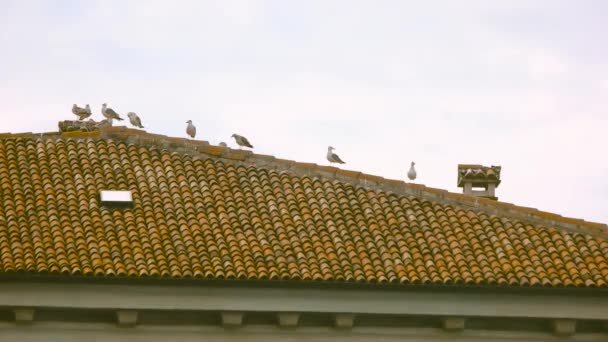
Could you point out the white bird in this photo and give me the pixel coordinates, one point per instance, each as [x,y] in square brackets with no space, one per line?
[223,144]
[134,119]
[82,113]
[241,140]
[332,157]
[109,113]
[190,130]
[411,174]
[105,123]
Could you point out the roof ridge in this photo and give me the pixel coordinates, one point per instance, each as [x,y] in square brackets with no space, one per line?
[373,182]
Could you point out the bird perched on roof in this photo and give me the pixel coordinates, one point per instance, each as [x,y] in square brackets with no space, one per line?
[223,144]
[109,112]
[134,119]
[105,123]
[82,113]
[241,140]
[332,157]
[190,130]
[411,174]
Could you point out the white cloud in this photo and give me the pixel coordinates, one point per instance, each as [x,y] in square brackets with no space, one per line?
[543,65]
[385,84]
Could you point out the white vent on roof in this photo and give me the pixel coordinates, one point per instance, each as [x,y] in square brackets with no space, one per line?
[115,197]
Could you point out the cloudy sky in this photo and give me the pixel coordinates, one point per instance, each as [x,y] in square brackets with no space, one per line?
[522,84]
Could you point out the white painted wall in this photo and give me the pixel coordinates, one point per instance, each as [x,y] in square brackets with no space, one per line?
[24,297]
[89,332]
[303,300]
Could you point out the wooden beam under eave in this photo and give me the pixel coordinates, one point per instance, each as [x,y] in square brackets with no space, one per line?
[453,323]
[344,320]
[126,318]
[24,315]
[564,327]
[288,319]
[232,319]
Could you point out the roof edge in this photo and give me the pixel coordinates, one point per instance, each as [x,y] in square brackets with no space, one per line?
[203,149]
[306,284]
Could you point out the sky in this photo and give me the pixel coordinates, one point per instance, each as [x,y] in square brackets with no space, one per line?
[521,84]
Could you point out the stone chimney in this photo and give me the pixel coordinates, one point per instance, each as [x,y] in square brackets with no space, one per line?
[479,180]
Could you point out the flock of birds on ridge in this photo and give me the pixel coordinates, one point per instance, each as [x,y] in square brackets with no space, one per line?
[111,115]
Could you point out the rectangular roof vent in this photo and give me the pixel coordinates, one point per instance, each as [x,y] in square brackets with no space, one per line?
[116,197]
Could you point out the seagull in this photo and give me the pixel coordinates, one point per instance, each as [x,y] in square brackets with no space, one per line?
[82,113]
[241,140]
[105,123]
[332,157]
[223,144]
[109,112]
[135,121]
[190,130]
[411,174]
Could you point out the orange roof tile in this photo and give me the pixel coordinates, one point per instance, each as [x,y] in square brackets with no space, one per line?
[202,211]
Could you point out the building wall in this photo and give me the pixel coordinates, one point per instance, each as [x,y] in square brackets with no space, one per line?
[49,311]
[73,332]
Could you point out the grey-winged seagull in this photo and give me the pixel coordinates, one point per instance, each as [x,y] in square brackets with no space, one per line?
[411,174]
[82,113]
[105,123]
[134,119]
[109,112]
[191,130]
[332,157]
[241,140]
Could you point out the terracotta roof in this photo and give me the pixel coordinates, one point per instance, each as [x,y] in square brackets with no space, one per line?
[203,211]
